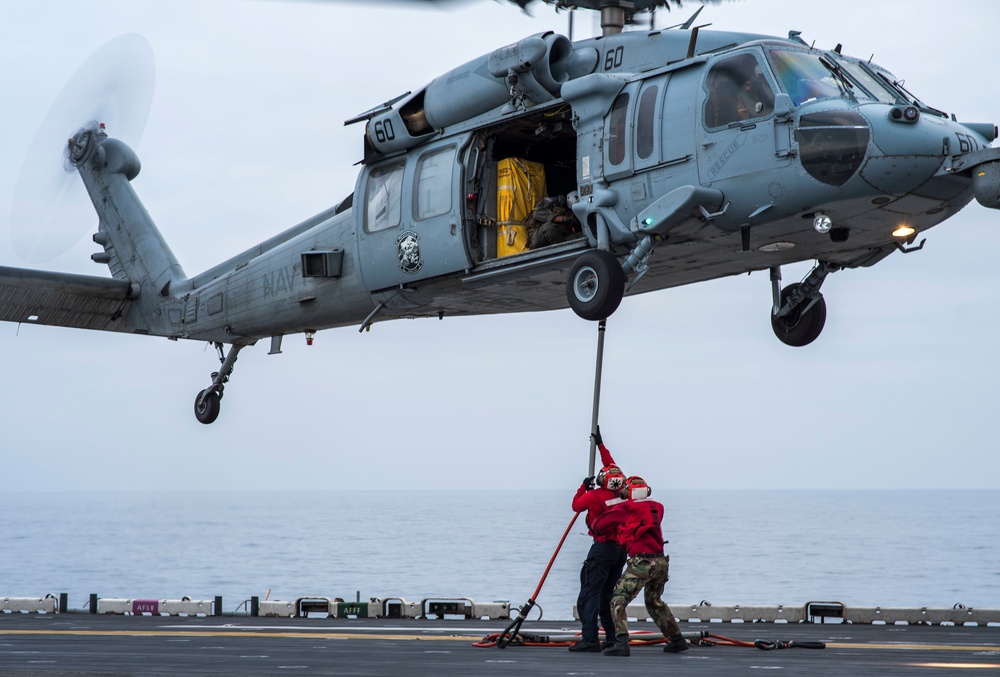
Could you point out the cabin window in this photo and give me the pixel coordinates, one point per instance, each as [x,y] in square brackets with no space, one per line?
[616,130]
[737,91]
[433,184]
[383,197]
[644,129]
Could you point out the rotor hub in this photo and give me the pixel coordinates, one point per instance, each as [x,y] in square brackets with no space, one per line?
[80,145]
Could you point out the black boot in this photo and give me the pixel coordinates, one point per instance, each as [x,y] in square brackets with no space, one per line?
[585,646]
[676,645]
[620,647]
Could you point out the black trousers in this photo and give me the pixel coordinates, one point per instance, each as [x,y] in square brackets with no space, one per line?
[600,572]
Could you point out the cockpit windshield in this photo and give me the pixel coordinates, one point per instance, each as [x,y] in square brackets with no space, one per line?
[804,76]
[872,86]
[811,76]
[891,82]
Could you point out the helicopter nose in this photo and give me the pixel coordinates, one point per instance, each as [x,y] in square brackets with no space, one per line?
[907,150]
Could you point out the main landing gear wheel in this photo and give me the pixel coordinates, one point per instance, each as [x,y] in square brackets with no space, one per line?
[207,410]
[596,285]
[206,405]
[799,328]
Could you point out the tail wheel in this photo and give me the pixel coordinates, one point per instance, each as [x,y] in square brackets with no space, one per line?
[799,328]
[595,285]
[207,410]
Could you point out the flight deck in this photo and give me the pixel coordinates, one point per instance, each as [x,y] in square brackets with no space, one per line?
[90,644]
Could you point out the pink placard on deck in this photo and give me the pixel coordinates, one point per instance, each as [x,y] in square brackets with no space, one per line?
[145,606]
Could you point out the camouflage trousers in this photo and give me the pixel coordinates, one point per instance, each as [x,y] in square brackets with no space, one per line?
[648,574]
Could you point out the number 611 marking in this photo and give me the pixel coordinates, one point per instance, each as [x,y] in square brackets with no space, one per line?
[967,143]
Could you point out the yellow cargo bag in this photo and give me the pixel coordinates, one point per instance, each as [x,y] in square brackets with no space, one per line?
[520,185]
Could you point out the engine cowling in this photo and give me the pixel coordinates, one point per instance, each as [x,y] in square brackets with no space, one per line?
[534,68]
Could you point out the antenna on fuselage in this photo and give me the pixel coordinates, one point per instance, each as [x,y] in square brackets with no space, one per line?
[687,24]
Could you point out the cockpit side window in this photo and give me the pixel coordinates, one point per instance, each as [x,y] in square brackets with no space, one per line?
[737,91]
[803,76]
[383,197]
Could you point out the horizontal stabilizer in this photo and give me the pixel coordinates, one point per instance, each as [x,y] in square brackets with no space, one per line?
[65,300]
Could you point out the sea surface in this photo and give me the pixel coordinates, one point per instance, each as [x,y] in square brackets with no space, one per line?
[863,548]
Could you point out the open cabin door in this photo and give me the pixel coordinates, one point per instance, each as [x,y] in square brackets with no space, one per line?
[409,226]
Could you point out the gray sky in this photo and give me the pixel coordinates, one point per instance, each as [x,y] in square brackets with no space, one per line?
[245,138]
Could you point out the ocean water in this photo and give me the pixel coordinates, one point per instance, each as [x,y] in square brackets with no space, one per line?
[863,548]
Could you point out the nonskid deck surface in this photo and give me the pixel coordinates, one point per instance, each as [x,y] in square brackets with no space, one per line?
[83,644]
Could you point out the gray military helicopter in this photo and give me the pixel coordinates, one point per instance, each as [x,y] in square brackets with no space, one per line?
[550,173]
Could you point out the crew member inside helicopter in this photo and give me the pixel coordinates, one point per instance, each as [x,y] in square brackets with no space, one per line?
[738,91]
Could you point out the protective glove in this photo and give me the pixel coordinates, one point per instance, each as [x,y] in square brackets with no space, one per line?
[588,483]
[596,436]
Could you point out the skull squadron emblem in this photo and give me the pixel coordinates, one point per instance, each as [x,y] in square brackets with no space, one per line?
[408,250]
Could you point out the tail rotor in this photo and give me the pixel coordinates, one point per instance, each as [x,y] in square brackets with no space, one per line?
[50,210]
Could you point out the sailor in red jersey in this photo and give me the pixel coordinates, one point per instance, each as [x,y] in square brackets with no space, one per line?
[636,522]
[606,558]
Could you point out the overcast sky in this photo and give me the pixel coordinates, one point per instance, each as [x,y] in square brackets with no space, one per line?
[245,138]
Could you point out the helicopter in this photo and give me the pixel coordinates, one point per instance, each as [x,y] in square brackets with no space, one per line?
[677,156]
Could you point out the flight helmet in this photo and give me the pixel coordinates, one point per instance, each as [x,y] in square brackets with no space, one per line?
[611,477]
[636,489]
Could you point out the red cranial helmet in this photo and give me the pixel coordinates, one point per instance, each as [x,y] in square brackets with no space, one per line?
[636,489]
[611,477]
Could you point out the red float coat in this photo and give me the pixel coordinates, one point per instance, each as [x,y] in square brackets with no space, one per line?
[636,524]
[596,501]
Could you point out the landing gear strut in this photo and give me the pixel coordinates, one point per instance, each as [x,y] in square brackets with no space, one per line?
[798,313]
[208,402]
